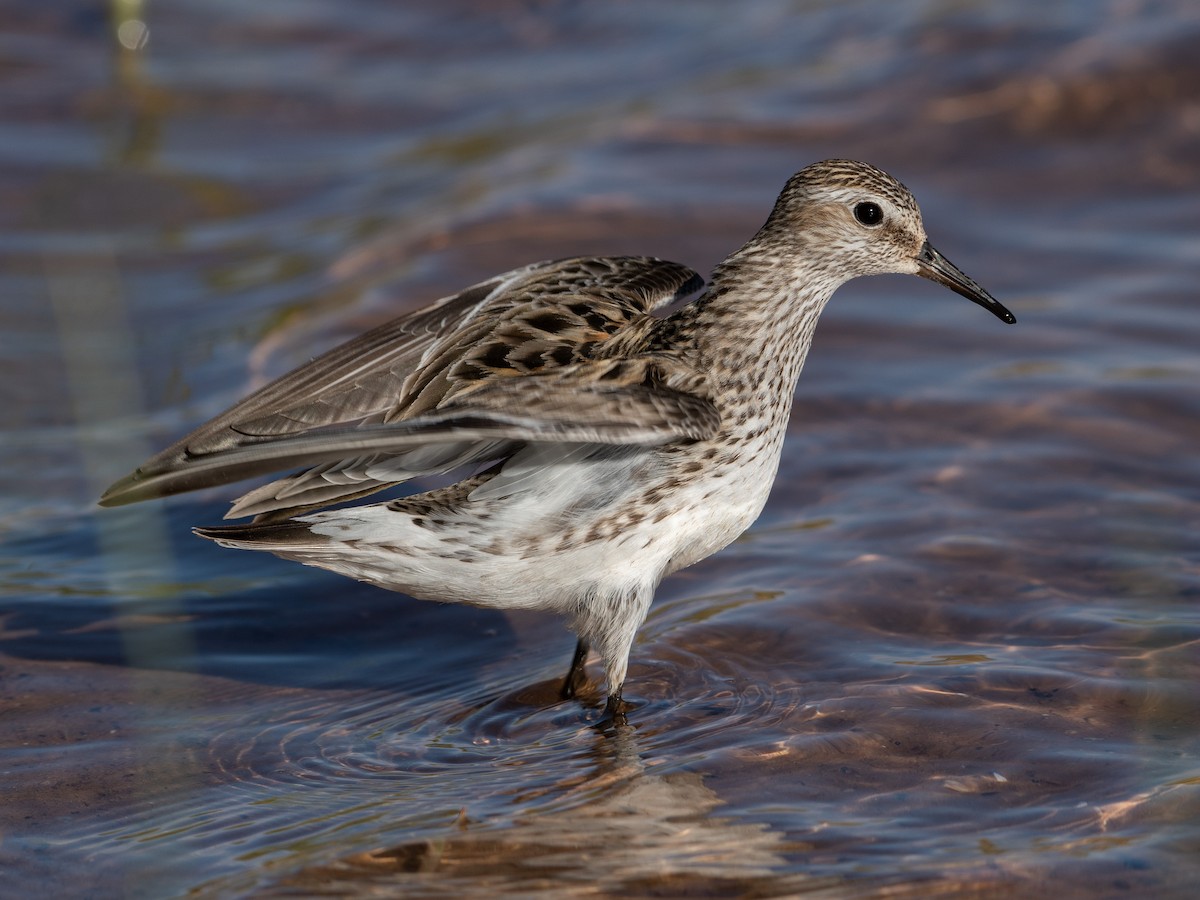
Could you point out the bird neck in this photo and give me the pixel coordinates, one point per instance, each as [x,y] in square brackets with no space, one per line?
[751,330]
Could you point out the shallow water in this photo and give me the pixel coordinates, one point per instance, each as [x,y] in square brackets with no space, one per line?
[957,654]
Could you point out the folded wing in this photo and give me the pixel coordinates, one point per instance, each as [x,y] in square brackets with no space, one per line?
[549,352]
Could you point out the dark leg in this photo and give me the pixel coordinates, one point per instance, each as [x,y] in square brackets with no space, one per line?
[614,709]
[577,673]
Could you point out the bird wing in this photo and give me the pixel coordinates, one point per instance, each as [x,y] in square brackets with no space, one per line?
[600,402]
[391,403]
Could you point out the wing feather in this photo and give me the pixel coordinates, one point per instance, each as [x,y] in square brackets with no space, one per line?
[638,415]
[555,342]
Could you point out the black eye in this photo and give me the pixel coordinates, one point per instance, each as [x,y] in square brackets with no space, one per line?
[868,213]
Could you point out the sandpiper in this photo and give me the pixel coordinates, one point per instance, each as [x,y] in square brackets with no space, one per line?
[612,447]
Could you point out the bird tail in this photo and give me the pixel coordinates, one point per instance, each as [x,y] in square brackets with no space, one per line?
[295,540]
[274,537]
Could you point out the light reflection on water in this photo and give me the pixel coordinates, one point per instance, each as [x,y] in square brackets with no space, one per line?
[957,653]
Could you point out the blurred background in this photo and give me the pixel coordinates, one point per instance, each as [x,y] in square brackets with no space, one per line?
[958,653]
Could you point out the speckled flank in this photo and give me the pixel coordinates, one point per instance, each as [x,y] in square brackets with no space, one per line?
[623,446]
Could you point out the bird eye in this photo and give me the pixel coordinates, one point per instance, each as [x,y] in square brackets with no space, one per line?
[868,213]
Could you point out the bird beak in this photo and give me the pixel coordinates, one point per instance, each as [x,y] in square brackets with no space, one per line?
[935,267]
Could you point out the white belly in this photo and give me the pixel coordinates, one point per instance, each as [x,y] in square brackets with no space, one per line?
[554,526]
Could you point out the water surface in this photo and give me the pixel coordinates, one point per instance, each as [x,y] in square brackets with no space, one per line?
[956,655]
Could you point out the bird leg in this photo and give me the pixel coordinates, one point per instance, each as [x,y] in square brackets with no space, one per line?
[577,674]
[614,709]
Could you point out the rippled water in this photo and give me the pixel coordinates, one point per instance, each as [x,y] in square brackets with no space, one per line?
[957,654]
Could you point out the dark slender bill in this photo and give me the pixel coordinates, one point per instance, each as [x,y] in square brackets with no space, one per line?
[935,267]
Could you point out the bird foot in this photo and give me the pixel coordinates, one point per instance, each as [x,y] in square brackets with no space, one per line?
[614,711]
